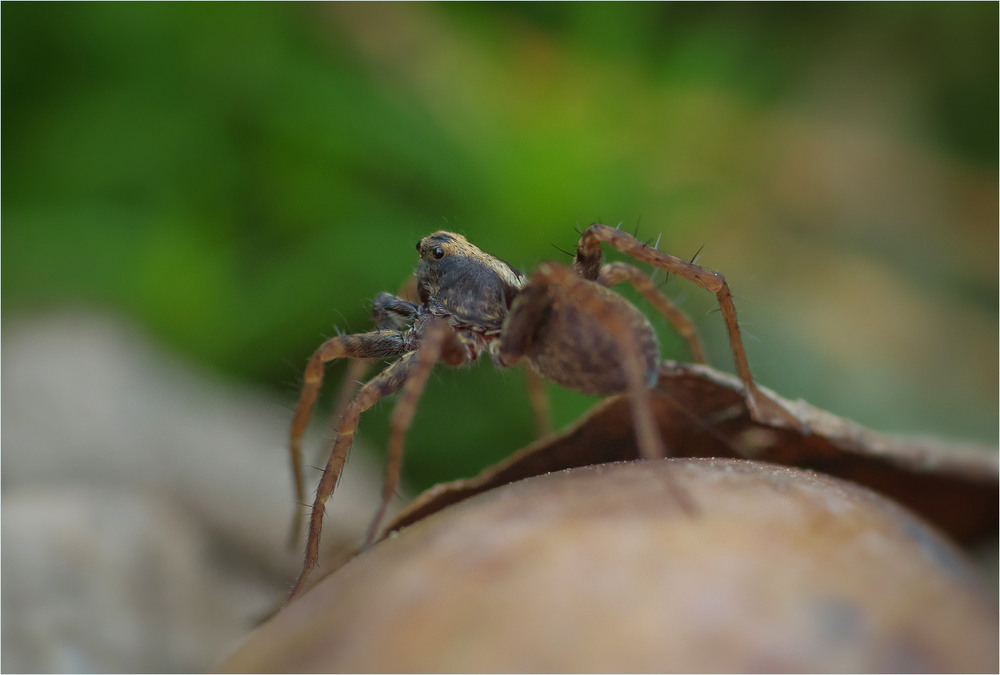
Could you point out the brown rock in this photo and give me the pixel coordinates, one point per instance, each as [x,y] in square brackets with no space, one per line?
[600,569]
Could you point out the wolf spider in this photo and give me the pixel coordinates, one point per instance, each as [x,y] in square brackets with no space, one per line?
[564,322]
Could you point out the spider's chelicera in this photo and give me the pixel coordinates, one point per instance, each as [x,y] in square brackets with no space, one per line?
[563,322]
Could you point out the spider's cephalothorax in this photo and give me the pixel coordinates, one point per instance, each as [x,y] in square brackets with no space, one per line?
[471,289]
[458,280]
[564,322]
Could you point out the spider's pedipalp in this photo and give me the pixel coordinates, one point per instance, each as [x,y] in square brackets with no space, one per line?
[391,312]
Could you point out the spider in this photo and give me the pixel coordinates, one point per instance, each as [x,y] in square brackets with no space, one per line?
[564,322]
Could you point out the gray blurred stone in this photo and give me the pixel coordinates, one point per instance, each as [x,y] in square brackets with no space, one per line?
[113,580]
[145,504]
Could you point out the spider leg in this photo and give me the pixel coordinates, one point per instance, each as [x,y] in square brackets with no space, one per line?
[385,383]
[617,272]
[361,346]
[539,402]
[389,312]
[431,345]
[761,408]
[356,369]
[589,256]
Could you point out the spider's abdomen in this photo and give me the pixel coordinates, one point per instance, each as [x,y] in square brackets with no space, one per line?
[572,343]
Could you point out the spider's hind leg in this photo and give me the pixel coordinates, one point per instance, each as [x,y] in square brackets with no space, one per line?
[762,408]
[617,272]
[539,400]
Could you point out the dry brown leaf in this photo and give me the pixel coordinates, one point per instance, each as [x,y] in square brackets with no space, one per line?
[701,413]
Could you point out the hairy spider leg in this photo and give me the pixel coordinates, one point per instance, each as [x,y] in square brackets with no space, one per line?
[617,272]
[427,355]
[389,313]
[539,400]
[356,369]
[590,242]
[360,346]
[389,381]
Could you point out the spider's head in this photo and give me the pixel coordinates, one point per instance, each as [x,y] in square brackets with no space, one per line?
[457,279]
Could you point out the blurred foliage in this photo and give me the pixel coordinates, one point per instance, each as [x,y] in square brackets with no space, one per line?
[242,178]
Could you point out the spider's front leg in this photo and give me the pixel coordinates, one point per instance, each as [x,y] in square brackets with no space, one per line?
[429,340]
[361,346]
[385,383]
[437,341]
[587,264]
[390,313]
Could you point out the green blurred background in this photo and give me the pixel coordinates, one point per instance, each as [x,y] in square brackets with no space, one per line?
[242,179]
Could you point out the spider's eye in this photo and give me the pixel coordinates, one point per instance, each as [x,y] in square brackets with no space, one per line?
[438,253]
